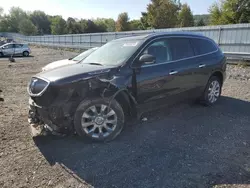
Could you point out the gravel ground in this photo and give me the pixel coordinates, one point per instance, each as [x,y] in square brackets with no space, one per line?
[184,146]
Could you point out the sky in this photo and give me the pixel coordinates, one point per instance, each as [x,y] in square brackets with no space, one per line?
[90,9]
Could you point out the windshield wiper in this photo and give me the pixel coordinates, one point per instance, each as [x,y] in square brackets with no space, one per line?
[95,64]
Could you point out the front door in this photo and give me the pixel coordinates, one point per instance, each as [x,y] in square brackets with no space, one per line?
[8,49]
[157,82]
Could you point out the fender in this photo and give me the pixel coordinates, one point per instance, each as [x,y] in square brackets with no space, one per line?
[110,89]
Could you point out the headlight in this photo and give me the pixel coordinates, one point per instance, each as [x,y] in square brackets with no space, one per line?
[37,86]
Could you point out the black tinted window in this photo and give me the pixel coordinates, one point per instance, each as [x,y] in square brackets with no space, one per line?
[181,48]
[160,50]
[203,46]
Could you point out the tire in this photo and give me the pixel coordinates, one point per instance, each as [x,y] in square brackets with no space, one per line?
[210,97]
[1,54]
[85,109]
[26,54]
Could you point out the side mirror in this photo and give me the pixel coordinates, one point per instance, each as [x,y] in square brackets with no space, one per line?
[147,59]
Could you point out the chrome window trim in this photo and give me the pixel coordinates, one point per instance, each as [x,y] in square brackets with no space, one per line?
[167,37]
[40,93]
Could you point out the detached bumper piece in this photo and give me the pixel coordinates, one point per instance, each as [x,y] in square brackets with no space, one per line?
[38,126]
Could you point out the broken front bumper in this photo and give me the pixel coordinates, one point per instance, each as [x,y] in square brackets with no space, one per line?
[39,122]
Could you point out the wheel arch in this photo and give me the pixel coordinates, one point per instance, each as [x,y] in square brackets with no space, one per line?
[25,51]
[218,74]
[111,92]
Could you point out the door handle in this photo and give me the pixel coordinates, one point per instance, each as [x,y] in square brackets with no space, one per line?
[173,72]
[202,65]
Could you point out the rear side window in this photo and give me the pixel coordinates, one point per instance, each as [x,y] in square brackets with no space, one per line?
[203,46]
[181,48]
[18,45]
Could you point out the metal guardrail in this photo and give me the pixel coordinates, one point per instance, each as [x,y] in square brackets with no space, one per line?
[237,56]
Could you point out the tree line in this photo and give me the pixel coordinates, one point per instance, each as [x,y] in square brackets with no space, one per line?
[159,14]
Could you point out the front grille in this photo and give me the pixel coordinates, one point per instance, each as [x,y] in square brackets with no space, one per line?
[37,86]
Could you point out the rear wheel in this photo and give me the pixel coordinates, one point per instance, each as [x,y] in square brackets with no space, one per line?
[26,54]
[212,92]
[1,54]
[94,119]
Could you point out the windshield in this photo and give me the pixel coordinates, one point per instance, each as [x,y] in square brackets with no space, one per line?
[113,53]
[83,55]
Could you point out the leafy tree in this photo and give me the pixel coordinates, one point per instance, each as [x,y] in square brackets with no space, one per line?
[16,15]
[186,18]
[83,25]
[4,25]
[200,23]
[204,17]
[122,23]
[1,12]
[216,15]
[144,21]
[110,24]
[93,28]
[41,21]
[72,26]
[236,11]
[135,25]
[58,25]
[105,24]
[230,12]
[163,13]
[26,27]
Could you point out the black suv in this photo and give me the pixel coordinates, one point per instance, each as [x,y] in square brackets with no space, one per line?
[125,78]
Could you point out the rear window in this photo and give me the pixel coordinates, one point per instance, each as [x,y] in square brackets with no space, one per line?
[203,46]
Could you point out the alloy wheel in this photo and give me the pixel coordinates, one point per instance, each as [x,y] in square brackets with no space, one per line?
[99,121]
[214,91]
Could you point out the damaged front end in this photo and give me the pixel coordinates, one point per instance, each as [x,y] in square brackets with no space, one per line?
[52,106]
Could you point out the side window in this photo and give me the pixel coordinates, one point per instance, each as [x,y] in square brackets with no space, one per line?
[9,46]
[160,49]
[18,45]
[203,46]
[181,48]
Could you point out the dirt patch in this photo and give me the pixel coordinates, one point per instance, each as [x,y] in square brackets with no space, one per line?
[183,146]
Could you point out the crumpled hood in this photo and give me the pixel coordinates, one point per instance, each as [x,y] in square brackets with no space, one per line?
[59,63]
[73,72]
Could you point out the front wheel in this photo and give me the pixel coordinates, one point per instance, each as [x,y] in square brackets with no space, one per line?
[212,92]
[96,120]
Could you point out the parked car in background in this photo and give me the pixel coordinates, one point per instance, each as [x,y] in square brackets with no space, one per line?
[123,79]
[64,62]
[15,49]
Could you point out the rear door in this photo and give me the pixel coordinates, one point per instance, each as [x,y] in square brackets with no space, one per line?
[184,66]
[18,48]
[205,60]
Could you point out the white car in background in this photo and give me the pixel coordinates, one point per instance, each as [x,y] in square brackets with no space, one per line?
[70,61]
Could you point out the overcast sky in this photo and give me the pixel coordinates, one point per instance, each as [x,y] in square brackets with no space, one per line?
[96,8]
